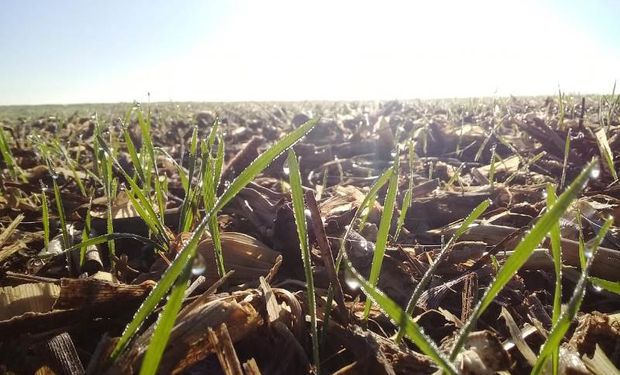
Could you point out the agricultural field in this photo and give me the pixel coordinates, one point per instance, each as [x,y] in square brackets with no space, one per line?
[466,236]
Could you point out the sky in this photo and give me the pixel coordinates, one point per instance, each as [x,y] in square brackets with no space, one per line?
[63,51]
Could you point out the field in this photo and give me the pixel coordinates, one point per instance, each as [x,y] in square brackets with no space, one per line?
[470,236]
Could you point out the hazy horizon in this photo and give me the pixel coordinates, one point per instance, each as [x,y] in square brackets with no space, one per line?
[69,52]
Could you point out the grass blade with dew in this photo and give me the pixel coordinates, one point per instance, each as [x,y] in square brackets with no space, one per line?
[299,211]
[46,215]
[605,150]
[426,278]
[561,109]
[400,317]
[180,170]
[185,217]
[368,199]
[455,176]
[556,252]
[61,212]
[85,233]
[565,163]
[492,168]
[211,173]
[133,154]
[147,149]
[151,218]
[522,252]
[188,251]
[609,286]
[164,324]
[7,156]
[383,231]
[408,194]
[560,327]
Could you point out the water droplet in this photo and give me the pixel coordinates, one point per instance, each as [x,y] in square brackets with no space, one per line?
[579,135]
[587,253]
[198,265]
[364,244]
[544,194]
[595,172]
[598,289]
[286,170]
[351,282]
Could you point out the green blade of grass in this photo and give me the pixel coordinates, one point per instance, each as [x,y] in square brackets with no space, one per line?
[565,163]
[383,232]
[85,233]
[7,155]
[426,278]
[187,253]
[150,217]
[560,327]
[408,194]
[133,154]
[522,252]
[61,213]
[299,206]
[609,286]
[608,156]
[556,252]
[46,215]
[164,325]
[378,184]
[400,317]
[184,218]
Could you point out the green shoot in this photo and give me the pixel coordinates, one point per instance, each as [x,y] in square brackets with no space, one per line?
[556,251]
[164,324]
[560,327]
[492,169]
[408,194]
[46,215]
[140,202]
[561,109]
[368,199]
[609,286]
[185,216]
[605,150]
[211,172]
[61,213]
[565,164]
[479,210]
[522,252]
[187,252]
[400,317]
[7,156]
[383,232]
[297,196]
[85,234]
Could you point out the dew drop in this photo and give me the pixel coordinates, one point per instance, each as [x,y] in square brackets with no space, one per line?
[587,254]
[544,194]
[286,170]
[598,289]
[364,244]
[595,172]
[579,135]
[351,282]
[198,265]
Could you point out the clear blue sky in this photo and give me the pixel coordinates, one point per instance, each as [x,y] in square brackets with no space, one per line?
[66,51]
